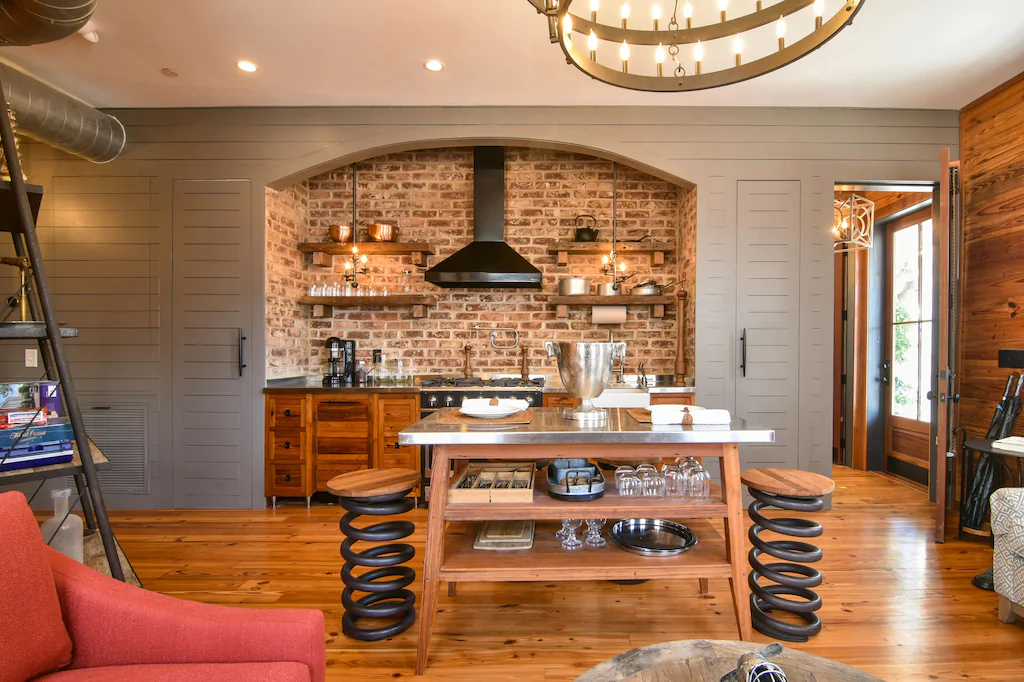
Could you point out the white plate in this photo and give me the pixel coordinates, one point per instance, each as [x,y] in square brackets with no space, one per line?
[482,409]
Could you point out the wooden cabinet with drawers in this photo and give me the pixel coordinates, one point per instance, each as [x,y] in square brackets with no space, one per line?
[560,400]
[672,399]
[312,437]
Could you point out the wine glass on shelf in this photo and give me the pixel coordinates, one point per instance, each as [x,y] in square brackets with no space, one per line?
[594,537]
[570,542]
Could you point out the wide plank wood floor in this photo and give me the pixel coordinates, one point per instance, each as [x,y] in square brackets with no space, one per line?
[895,604]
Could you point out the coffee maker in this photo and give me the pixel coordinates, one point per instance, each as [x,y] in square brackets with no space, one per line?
[341,362]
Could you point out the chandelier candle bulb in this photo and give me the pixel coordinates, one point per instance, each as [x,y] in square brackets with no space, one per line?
[723,6]
[759,8]
[594,4]
[698,55]
[592,46]
[625,14]
[819,12]
[624,56]
[688,15]
[737,48]
[780,31]
[659,59]
[656,15]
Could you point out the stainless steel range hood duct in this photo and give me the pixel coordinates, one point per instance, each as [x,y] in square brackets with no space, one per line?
[43,113]
[488,261]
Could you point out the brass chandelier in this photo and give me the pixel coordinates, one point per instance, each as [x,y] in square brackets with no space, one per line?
[604,51]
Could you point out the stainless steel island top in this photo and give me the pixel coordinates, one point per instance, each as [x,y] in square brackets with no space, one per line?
[549,428]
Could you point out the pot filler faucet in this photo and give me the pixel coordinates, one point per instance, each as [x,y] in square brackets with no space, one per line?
[494,336]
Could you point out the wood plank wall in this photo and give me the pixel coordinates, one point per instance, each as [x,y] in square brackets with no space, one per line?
[713,148]
[992,134]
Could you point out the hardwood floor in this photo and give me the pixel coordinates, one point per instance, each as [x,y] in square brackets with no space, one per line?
[895,604]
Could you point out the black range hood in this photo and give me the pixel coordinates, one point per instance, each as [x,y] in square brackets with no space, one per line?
[488,261]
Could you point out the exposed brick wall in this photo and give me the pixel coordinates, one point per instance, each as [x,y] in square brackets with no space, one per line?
[429,194]
[288,338]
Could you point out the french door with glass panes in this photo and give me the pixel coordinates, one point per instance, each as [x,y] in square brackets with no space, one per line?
[908,369]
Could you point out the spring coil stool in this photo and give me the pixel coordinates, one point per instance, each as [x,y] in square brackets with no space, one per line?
[386,583]
[791,577]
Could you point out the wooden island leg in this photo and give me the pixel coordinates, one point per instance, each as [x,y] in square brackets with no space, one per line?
[734,537]
[432,555]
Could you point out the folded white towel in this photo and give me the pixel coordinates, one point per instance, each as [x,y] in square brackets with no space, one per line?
[710,417]
[686,414]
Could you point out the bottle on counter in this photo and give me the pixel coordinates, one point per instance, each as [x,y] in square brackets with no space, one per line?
[384,374]
[361,372]
[374,374]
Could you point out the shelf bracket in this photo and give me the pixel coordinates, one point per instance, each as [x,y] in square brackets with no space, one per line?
[562,258]
[323,260]
[658,258]
[323,311]
[419,311]
[561,311]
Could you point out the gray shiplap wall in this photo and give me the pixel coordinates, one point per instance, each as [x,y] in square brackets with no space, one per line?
[120,216]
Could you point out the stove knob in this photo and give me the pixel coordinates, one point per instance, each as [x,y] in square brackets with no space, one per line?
[432,401]
[448,401]
[513,397]
[529,400]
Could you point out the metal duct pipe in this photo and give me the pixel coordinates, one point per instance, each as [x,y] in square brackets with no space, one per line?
[31,22]
[44,114]
[51,117]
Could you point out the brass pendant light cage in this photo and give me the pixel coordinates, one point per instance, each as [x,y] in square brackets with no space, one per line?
[853,223]
[680,45]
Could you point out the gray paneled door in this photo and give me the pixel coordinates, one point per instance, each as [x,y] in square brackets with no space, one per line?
[768,318]
[212,312]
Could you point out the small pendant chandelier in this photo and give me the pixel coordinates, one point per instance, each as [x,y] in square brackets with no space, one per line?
[853,223]
[604,51]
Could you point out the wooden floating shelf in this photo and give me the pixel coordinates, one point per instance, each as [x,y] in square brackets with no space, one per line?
[323,252]
[657,303]
[563,249]
[611,506]
[548,561]
[323,306]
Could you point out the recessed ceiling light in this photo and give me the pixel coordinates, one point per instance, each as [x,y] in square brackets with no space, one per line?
[434,65]
[247,66]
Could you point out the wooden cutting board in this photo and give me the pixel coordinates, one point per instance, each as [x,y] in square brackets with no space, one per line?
[456,417]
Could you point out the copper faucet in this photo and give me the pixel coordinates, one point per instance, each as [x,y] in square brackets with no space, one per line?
[467,367]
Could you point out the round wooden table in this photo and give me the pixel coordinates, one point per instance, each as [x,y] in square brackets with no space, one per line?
[701,660]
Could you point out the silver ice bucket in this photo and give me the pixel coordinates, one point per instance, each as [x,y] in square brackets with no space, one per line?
[585,369]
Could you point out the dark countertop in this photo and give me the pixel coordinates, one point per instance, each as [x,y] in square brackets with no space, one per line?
[314,384]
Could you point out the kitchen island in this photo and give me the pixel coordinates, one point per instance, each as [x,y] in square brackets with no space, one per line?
[450,556]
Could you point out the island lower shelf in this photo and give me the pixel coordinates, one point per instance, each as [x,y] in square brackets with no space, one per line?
[610,506]
[547,561]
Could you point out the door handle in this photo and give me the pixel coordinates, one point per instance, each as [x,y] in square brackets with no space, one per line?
[887,373]
[241,357]
[287,445]
[743,352]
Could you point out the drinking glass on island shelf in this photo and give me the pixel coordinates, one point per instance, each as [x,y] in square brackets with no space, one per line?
[620,472]
[652,484]
[406,281]
[629,485]
[594,537]
[675,480]
[702,484]
[570,541]
[646,467]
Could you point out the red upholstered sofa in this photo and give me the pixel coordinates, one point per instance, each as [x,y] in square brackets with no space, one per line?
[63,622]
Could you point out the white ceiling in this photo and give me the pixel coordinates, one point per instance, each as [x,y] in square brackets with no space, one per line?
[938,54]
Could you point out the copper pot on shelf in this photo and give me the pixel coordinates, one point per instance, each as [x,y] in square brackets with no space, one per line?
[382,232]
[340,233]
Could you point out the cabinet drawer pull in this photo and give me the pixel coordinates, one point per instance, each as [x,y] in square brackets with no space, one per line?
[287,445]
[396,446]
[287,478]
[287,413]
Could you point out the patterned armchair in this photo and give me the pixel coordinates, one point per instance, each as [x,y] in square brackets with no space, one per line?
[1008,562]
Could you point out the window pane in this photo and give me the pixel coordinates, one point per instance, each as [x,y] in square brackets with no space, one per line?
[927,276]
[905,276]
[925,379]
[905,380]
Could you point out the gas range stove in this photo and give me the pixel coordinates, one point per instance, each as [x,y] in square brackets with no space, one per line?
[447,392]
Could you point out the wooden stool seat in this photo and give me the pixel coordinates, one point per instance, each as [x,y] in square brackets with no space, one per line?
[373,482]
[789,482]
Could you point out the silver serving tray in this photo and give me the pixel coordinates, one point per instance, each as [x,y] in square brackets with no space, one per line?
[652,537]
